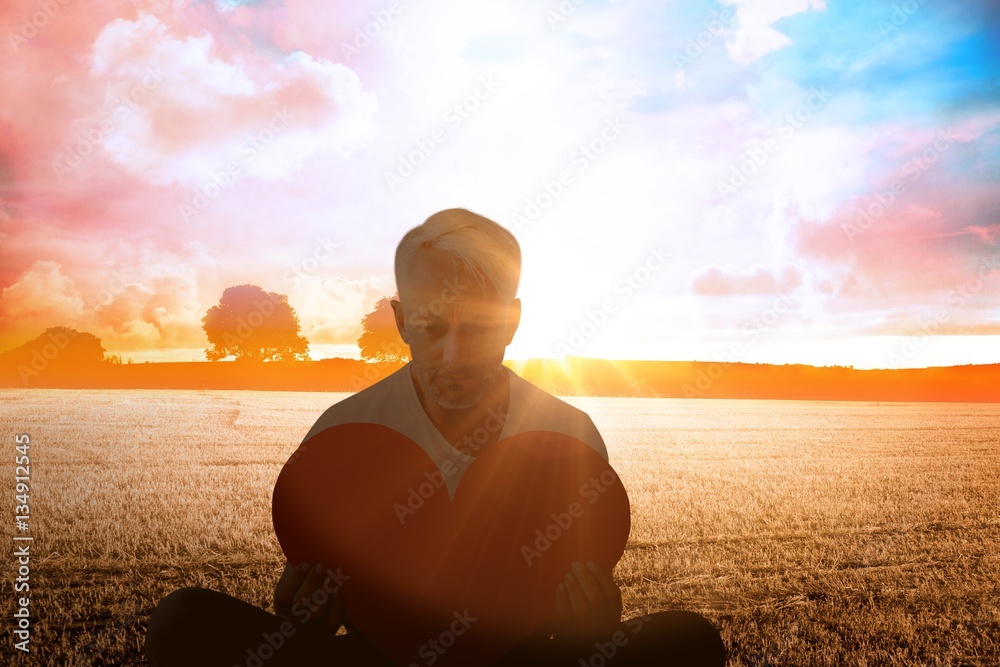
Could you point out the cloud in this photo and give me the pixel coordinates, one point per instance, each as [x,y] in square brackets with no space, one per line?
[43,296]
[154,306]
[755,38]
[185,91]
[161,311]
[331,310]
[714,280]
[182,110]
[915,253]
[987,234]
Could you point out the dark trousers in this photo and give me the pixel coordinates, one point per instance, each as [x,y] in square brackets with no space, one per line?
[197,626]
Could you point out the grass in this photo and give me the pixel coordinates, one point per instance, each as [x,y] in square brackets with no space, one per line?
[811,533]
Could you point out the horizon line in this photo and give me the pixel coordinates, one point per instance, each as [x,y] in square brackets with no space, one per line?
[572,357]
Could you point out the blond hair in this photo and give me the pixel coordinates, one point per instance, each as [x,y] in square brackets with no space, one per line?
[488,251]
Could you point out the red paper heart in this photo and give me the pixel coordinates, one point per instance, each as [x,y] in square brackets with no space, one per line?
[420,566]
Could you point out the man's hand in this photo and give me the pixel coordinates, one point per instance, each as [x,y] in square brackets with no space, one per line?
[588,604]
[299,592]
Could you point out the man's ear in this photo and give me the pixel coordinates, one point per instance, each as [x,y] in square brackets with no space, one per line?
[513,318]
[397,313]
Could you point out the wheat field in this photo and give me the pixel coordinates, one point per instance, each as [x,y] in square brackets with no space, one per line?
[811,533]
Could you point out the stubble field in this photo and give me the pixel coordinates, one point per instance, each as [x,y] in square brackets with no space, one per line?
[811,533]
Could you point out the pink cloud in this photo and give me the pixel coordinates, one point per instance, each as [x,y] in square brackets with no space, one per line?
[222,79]
[920,230]
[917,261]
[987,234]
[718,281]
[179,110]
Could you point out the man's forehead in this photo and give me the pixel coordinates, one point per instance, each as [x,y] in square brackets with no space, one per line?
[465,306]
[435,281]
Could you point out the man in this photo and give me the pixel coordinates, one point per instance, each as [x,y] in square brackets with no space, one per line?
[457,276]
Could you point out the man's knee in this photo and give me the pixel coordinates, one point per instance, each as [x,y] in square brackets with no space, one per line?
[689,633]
[180,605]
[691,622]
[173,619]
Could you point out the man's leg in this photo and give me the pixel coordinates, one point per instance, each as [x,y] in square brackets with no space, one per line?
[198,626]
[665,639]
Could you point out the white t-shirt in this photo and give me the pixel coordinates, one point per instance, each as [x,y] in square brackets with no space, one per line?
[393,402]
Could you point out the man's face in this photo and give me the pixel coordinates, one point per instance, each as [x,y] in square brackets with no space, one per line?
[457,332]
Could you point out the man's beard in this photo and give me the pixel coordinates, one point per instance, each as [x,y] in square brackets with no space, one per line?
[457,397]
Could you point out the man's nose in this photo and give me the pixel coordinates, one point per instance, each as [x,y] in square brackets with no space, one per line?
[456,347]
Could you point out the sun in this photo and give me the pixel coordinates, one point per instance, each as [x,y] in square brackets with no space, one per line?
[545,316]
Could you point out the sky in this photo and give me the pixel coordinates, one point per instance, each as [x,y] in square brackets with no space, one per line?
[793,181]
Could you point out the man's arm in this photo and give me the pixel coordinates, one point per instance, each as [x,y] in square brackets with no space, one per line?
[296,596]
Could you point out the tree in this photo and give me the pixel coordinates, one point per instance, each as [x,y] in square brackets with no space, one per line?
[57,346]
[251,324]
[60,349]
[380,341]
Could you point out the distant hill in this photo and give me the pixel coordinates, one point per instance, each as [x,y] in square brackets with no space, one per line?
[700,379]
[573,376]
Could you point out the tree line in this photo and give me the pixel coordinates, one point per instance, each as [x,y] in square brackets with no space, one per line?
[248,324]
